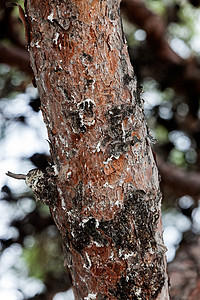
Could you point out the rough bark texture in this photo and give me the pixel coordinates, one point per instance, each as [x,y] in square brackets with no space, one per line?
[108,206]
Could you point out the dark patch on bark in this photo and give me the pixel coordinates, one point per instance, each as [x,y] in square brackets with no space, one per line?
[115,117]
[102,297]
[121,24]
[137,95]
[81,238]
[144,280]
[141,284]
[90,227]
[82,234]
[130,231]
[88,57]
[76,122]
[127,79]
[145,221]
[67,96]
[117,140]
[89,82]
[87,108]
[119,231]
[79,198]
[81,117]
[137,209]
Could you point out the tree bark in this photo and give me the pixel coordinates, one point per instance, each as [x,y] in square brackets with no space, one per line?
[108,204]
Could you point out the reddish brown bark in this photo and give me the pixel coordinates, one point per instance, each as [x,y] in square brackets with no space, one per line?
[108,206]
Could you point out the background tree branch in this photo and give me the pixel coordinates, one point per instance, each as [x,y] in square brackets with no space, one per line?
[170,70]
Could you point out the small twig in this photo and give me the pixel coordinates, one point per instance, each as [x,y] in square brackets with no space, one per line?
[16,176]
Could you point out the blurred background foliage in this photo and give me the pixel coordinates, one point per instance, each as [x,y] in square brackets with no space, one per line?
[164,46]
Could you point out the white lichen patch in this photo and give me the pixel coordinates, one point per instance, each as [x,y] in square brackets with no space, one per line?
[123,132]
[97,223]
[108,185]
[120,253]
[89,262]
[55,39]
[63,204]
[84,221]
[86,112]
[93,84]
[110,159]
[33,18]
[69,174]
[87,101]
[50,17]
[91,296]
[55,170]
[119,203]
[131,254]
[97,149]
[111,255]
[97,244]
[37,44]
[138,292]
[62,198]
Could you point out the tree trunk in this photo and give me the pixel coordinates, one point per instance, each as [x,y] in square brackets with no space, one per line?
[108,204]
